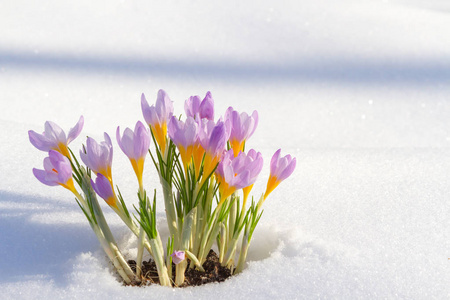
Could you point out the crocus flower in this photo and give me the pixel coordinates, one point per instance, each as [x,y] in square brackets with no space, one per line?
[103,188]
[157,116]
[242,128]
[204,109]
[280,169]
[98,157]
[205,129]
[54,138]
[57,171]
[235,173]
[177,256]
[213,140]
[135,146]
[252,155]
[184,135]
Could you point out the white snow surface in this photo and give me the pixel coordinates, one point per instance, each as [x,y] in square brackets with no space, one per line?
[357,90]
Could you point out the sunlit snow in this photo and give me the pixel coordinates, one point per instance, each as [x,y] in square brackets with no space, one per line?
[357,91]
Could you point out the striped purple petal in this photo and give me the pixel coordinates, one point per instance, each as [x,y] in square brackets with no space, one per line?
[135,143]
[192,106]
[102,187]
[243,125]
[183,133]
[40,141]
[53,136]
[282,167]
[76,130]
[57,169]
[206,108]
[98,157]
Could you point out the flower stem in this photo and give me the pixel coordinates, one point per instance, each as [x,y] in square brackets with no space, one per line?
[141,240]
[243,254]
[185,239]
[159,261]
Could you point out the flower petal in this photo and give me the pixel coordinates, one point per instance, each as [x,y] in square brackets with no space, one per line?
[40,141]
[192,106]
[75,131]
[102,187]
[55,133]
[274,161]
[164,106]
[41,175]
[141,140]
[206,108]
[288,170]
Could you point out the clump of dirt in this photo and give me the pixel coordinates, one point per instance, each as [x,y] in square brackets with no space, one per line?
[214,272]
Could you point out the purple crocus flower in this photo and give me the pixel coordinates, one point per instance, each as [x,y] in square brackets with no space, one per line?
[103,188]
[242,128]
[177,256]
[235,173]
[205,130]
[213,140]
[98,157]
[57,171]
[280,169]
[185,136]
[204,133]
[251,155]
[157,116]
[54,138]
[135,146]
[204,109]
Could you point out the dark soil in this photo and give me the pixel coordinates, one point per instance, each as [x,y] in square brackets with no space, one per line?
[214,272]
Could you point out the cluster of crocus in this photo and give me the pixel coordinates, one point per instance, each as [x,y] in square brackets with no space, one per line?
[204,170]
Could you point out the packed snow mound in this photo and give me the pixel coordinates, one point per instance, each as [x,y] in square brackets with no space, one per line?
[356,91]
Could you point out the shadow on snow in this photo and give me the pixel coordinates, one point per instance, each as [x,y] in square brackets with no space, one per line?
[403,71]
[30,248]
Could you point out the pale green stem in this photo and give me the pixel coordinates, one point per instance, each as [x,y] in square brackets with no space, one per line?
[159,244]
[195,260]
[103,232]
[185,238]
[205,249]
[260,202]
[133,227]
[229,258]
[203,220]
[81,199]
[232,217]
[123,262]
[111,250]
[195,233]
[159,261]
[208,230]
[170,208]
[169,251]
[246,239]
[223,241]
[111,254]
[140,253]
[141,241]
[103,226]
[242,255]
[179,273]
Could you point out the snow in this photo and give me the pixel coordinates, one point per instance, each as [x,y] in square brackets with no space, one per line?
[358,91]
